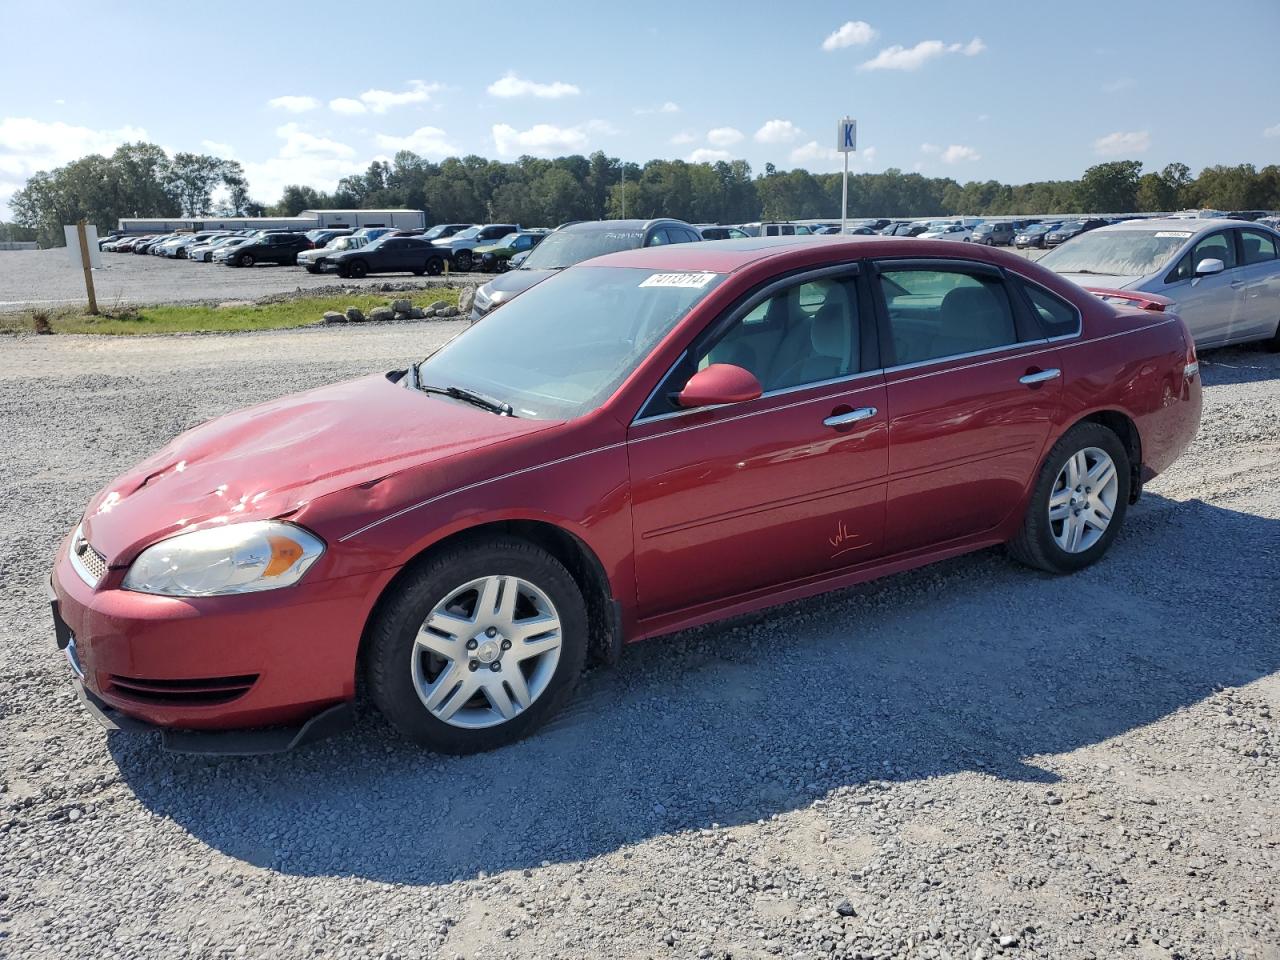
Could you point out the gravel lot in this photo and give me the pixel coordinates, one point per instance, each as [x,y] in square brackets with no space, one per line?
[967,761]
[33,278]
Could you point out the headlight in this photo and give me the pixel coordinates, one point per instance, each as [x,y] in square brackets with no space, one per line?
[237,558]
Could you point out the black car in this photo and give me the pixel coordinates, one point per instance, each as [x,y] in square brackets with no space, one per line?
[390,253]
[282,248]
[322,236]
[574,243]
[1072,228]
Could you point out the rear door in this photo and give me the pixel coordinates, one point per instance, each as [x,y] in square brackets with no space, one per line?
[731,499]
[1258,285]
[972,390]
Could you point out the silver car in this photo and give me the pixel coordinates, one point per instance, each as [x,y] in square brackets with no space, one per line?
[1224,275]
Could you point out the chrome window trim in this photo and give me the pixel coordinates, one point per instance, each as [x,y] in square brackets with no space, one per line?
[1028,282]
[916,364]
[772,393]
[851,268]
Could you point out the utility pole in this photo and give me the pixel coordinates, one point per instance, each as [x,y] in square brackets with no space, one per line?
[624,189]
[847,142]
[88,267]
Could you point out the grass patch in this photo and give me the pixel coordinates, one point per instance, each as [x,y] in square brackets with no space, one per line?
[300,312]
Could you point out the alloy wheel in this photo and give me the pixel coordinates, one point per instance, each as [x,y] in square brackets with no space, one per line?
[486,652]
[1083,499]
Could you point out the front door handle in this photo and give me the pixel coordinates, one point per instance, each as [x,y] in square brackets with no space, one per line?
[853,416]
[1040,376]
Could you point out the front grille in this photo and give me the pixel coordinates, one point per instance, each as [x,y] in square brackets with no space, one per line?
[201,691]
[88,562]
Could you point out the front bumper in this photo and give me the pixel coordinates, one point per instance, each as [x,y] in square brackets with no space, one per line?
[215,665]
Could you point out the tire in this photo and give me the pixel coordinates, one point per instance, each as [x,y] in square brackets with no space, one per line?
[1038,542]
[245,260]
[358,269]
[501,266]
[398,666]
[463,260]
[344,271]
[1274,343]
[435,266]
[312,268]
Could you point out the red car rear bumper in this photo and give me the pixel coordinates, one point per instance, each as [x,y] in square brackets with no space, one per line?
[277,658]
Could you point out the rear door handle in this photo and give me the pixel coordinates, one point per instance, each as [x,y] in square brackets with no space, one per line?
[1040,376]
[853,416]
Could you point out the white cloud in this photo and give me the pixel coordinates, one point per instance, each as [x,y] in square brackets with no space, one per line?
[302,158]
[540,139]
[380,101]
[1122,142]
[224,150]
[1271,132]
[28,146]
[706,155]
[512,86]
[898,57]
[1118,84]
[813,152]
[853,33]
[427,141]
[683,137]
[293,104]
[668,107]
[347,105]
[778,131]
[956,153]
[724,136]
[930,148]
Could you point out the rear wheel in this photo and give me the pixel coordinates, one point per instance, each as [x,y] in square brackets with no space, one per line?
[479,646]
[463,260]
[1078,503]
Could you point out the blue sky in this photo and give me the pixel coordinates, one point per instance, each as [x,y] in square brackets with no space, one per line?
[310,92]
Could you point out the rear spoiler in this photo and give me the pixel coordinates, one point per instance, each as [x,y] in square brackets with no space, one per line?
[1130,298]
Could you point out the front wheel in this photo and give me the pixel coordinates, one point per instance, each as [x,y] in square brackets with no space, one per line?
[435,266]
[358,269]
[245,260]
[1078,503]
[479,646]
[463,261]
[312,268]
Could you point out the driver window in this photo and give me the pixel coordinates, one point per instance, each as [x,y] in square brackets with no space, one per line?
[1217,246]
[805,334]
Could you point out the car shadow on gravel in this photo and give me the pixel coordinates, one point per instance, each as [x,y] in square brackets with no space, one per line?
[972,666]
[1249,364]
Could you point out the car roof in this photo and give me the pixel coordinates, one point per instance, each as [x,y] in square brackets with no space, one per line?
[1180,224]
[729,256]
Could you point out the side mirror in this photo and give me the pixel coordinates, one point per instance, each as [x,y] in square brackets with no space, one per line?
[1208,266]
[718,384]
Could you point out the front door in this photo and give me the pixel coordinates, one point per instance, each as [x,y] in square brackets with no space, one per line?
[731,499]
[1208,304]
[972,390]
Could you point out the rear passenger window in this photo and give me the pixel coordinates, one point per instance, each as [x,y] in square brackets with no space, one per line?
[945,313]
[1258,247]
[659,237]
[1057,317]
[806,334]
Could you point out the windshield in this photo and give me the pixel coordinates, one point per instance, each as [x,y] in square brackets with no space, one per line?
[567,247]
[1117,252]
[561,348]
[435,231]
[1070,225]
[338,243]
[468,234]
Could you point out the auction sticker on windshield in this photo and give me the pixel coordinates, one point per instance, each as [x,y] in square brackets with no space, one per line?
[693,280]
[1173,233]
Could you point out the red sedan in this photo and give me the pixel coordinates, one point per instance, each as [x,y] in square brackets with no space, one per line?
[652,440]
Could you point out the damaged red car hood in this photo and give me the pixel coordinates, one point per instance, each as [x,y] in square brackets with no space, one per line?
[273,459]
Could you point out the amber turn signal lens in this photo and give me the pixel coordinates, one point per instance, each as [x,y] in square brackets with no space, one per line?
[284,554]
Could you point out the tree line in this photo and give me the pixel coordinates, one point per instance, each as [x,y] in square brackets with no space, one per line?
[140,179]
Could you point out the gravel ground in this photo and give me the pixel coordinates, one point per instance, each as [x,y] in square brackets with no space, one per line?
[967,761]
[35,278]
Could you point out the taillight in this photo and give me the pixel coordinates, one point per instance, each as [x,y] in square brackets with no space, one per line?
[1191,366]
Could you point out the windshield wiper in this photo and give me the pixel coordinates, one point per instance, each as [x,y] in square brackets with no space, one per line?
[1095,273]
[470,396]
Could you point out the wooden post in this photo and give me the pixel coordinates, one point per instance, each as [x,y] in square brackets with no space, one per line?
[88,267]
